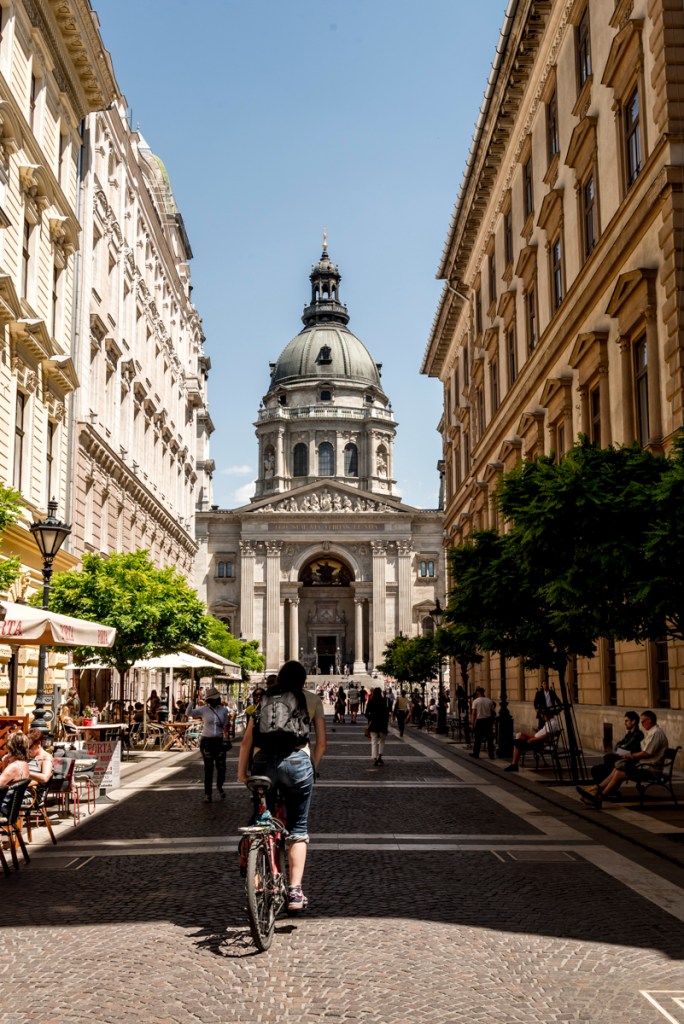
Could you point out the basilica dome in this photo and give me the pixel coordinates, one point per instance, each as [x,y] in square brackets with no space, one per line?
[326,349]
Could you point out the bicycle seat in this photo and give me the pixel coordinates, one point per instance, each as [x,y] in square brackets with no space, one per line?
[259,782]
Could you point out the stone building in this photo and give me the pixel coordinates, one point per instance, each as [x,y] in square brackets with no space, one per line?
[141,422]
[562,309]
[326,563]
[53,73]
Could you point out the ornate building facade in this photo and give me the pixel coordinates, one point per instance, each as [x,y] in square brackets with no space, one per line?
[54,71]
[326,564]
[563,307]
[141,422]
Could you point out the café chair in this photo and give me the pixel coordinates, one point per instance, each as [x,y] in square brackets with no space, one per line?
[11,823]
[35,804]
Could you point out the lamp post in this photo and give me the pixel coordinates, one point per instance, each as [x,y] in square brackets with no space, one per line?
[437,614]
[49,534]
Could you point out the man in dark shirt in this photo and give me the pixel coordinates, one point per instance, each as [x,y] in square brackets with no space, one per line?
[630,742]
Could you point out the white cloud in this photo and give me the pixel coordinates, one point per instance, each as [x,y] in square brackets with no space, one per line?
[236,470]
[244,493]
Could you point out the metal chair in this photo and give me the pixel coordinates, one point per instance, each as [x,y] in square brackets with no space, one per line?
[11,823]
[35,803]
[661,776]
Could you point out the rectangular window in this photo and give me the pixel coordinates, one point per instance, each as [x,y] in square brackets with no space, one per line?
[481,424]
[423,569]
[641,390]
[557,272]
[531,317]
[50,457]
[494,385]
[595,415]
[511,356]
[25,258]
[583,49]
[19,437]
[478,311]
[589,218]
[508,236]
[528,188]
[552,126]
[560,441]
[55,299]
[662,673]
[33,96]
[492,276]
[63,141]
[632,137]
[611,666]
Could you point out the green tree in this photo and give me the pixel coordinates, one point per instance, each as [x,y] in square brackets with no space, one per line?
[660,593]
[244,653]
[412,659]
[155,611]
[11,503]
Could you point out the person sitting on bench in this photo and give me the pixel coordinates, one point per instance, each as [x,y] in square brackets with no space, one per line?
[631,766]
[629,744]
[534,741]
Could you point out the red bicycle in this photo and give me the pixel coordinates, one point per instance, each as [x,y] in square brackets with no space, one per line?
[263,862]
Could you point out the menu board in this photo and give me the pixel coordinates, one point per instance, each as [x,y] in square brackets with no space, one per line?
[107,772]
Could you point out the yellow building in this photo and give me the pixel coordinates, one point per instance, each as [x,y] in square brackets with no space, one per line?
[53,71]
[562,307]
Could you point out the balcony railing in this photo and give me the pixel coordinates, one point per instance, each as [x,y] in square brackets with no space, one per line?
[324,412]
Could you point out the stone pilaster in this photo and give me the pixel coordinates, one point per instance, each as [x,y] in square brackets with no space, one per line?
[379,549]
[272,652]
[404,580]
[247,552]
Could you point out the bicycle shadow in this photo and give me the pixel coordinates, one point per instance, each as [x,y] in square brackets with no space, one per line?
[233,942]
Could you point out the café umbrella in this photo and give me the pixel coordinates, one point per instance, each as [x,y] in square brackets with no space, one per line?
[21,624]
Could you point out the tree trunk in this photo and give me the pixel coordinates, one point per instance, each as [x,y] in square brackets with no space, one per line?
[573,747]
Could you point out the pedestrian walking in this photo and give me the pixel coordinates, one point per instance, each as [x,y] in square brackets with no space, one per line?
[363,697]
[214,742]
[482,711]
[377,714]
[353,698]
[340,706]
[400,711]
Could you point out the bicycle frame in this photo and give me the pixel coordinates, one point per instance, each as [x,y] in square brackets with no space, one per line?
[263,862]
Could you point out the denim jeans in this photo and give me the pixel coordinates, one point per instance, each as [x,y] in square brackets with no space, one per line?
[293,775]
[214,756]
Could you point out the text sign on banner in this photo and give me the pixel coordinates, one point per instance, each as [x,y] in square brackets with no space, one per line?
[107,774]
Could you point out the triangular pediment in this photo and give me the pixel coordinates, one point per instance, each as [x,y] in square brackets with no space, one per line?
[326,498]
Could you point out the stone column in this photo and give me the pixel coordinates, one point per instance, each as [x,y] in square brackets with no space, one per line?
[627,391]
[655,421]
[359,664]
[279,466]
[294,627]
[247,553]
[379,549]
[404,581]
[313,464]
[272,651]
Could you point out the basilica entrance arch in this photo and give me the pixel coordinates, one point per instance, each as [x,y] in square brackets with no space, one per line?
[326,613]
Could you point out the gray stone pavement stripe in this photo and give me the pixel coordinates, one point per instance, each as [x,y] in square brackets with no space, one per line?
[228,845]
[672,998]
[398,836]
[664,894]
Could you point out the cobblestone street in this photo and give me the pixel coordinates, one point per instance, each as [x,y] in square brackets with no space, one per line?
[441,890]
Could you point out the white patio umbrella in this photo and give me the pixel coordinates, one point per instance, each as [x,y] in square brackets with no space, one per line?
[21,624]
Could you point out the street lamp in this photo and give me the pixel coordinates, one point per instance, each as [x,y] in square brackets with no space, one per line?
[437,614]
[49,534]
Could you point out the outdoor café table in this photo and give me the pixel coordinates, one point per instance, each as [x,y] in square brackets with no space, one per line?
[175,735]
[100,727]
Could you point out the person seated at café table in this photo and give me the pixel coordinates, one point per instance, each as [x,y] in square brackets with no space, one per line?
[15,766]
[68,723]
[41,765]
[179,710]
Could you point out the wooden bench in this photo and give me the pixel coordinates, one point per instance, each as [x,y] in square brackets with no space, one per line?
[659,775]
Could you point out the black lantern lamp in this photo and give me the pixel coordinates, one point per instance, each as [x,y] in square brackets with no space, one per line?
[437,614]
[49,534]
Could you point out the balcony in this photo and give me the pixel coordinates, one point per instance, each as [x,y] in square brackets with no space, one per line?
[324,412]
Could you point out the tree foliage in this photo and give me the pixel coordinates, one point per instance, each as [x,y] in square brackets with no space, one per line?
[244,653]
[10,506]
[412,659]
[661,590]
[155,611]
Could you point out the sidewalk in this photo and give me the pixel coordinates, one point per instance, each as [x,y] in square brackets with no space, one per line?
[658,826]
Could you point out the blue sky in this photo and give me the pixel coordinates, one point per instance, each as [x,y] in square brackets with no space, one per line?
[275,119]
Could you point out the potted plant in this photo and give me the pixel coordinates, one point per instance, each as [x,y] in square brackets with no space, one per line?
[90,715]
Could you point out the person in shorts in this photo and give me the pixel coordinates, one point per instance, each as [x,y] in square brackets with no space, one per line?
[353,698]
[292,771]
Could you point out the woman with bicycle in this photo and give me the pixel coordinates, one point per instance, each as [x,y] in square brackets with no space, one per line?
[290,765]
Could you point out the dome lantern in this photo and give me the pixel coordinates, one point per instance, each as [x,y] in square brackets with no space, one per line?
[325,306]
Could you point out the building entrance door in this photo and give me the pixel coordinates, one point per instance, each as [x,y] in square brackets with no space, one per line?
[326,647]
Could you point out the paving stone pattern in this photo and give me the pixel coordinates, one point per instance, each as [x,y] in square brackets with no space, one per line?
[390,938]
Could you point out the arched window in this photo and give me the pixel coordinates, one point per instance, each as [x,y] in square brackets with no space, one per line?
[300,460]
[326,459]
[351,460]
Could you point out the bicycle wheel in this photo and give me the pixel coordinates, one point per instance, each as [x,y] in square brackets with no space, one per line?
[259,889]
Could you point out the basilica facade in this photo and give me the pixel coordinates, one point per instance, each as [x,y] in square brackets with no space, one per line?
[326,563]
